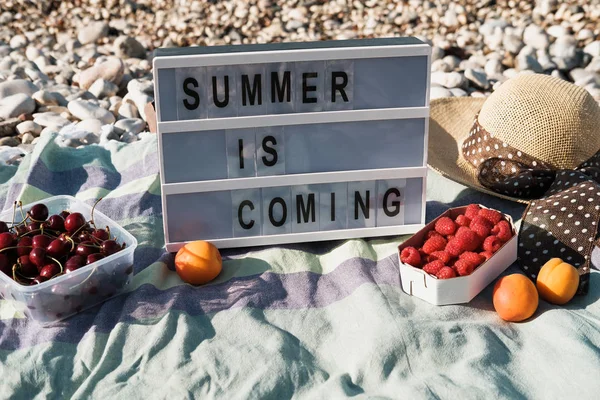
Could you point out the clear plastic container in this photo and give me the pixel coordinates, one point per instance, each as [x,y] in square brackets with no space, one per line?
[61,297]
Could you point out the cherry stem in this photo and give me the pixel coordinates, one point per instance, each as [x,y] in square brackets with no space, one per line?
[92,214]
[31,218]
[14,247]
[70,239]
[21,207]
[74,233]
[58,262]
[41,230]
[14,213]
[89,245]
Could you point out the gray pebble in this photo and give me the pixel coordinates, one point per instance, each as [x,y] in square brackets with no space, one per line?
[10,141]
[92,32]
[438,92]
[133,125]
[29,127]
[15,105]
[87,110]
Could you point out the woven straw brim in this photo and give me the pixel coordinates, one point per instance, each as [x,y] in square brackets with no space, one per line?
[449,123]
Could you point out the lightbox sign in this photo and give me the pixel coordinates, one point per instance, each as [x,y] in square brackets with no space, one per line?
[292,142]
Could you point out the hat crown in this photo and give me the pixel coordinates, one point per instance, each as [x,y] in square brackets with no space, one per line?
[548,118]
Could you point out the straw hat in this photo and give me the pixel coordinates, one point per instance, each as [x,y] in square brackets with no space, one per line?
[550,123]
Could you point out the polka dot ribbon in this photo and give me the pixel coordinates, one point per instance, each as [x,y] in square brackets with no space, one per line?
[562,217]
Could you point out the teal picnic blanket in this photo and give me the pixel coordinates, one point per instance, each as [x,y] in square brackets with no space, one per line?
[322,320]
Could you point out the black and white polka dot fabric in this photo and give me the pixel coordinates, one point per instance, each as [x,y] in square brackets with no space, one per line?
[561,220]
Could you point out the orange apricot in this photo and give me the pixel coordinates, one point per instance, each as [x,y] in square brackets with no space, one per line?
[557,281]
[515,298]
[198,262]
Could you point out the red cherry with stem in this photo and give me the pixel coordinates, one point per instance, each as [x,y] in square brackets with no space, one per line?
[41,241]
[34,226]
[86,248]
[49,270]
[74,263]
[39,212]
[26,267]
[101,234]
[56,223]
[21,230]
[3,227]
[64,214]
[74,222]
[92,258]
[38,257]
[6,240]
[83,237]
[24,246]
[5,265]
[57,249]
[109,247]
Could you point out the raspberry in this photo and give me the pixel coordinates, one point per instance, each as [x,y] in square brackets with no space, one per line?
[462,220]
[445,226]
[481,230]
[492,215]
[454,247]
[464,267]
[433,267]
[472,211]
[411,256]
[431,234]
[442,255]
[434,243]
[502,231]
[445,273]
[486,254]
[472,258]
[491,243]
[467,238]
[479,220]
[449,237]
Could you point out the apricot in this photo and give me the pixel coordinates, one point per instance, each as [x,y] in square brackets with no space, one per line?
[198,262]
[557,281]
[515,298]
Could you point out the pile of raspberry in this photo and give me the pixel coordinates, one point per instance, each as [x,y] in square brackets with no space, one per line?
[456,248]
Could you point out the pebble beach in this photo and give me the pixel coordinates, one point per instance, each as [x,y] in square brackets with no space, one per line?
[83,68]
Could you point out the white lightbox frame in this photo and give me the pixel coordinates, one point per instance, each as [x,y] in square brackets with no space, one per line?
[358,51]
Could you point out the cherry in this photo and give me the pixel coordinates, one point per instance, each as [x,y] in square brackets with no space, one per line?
[24,246]
[109,247]
[84,237]
[37,280]
[38,212]
[74,222]
[38,256]
[64,214]
[41,241]
[49,270]
[3,227]
[5,265]
[86,248]
[34,226]
[6,240]
[21,230]
[57,249]
[74,263]
[27,267]
[92,258]
[56,223]
[101,234]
